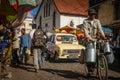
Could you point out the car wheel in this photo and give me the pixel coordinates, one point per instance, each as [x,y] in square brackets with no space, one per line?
[56,56]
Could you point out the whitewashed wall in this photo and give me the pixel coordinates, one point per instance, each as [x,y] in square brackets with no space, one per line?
[48,20]
[61,20]
[66,19]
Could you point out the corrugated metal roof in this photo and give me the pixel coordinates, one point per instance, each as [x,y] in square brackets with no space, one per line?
[74,7]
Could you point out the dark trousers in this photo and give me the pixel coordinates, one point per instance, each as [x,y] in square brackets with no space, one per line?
[24,55]
[15,56]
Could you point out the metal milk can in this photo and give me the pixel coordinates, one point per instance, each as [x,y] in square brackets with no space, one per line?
[110,57]
[90,53]
[107,48]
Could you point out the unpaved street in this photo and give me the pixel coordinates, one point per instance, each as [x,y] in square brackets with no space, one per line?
[64,70]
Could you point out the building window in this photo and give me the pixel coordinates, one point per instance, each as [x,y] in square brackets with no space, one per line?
[40,21]
[49,10]
[46,27]
[117,9]
[44,11]
[30,24]
[54,19]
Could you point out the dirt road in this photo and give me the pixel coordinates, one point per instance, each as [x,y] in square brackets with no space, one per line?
[65,70]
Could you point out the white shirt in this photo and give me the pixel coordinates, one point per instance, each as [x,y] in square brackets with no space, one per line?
[31,33]
[92,22]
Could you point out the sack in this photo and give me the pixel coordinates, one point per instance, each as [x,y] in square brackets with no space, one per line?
[110,57]
[38,38]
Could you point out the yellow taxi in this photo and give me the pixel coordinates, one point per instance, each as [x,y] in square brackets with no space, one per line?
[64,46]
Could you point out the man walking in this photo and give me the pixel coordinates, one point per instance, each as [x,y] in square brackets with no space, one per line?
[38,44]
[15,50]
[31,35]
[24,45]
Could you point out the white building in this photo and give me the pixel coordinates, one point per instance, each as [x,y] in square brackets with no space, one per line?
[58,13]
[27,24]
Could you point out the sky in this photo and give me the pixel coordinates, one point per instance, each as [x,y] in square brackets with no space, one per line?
[32,13]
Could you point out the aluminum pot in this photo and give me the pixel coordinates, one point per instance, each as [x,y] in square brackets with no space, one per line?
[107,48]
[90,54]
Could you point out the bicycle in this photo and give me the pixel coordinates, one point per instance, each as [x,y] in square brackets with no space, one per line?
[100,62]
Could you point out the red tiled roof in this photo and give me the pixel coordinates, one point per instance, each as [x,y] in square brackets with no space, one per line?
[73,7]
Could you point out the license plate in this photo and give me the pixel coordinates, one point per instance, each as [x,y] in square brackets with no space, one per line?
[72,57]
[73,54]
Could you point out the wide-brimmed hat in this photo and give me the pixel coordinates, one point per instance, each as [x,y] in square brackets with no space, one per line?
[92,12]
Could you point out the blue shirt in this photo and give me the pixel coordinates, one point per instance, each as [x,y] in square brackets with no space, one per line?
[25,41]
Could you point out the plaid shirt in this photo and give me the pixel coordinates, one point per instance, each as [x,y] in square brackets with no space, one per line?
[91,28]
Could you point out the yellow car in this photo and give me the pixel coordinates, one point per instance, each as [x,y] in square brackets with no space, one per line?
[64,46]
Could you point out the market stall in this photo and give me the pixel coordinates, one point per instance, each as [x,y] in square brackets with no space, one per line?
[68,29]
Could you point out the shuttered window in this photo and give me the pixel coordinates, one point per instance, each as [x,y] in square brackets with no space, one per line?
[40,21]
[54,19]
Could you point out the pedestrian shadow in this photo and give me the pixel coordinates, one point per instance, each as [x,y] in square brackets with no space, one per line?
[63,61]
[27,67]
[70,74]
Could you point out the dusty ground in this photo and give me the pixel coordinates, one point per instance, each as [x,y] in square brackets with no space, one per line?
[64,70]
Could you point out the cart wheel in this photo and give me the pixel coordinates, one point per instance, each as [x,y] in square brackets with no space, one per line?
[103,68]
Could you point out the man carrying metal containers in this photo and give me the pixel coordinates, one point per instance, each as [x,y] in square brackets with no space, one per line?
[92,28]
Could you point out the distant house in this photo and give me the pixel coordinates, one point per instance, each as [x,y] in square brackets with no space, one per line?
[58,13]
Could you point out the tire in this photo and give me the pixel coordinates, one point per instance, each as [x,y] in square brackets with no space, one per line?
[102,68]
[81,57]
[56,56]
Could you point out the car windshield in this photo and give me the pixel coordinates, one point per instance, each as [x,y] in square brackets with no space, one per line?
[66,38]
